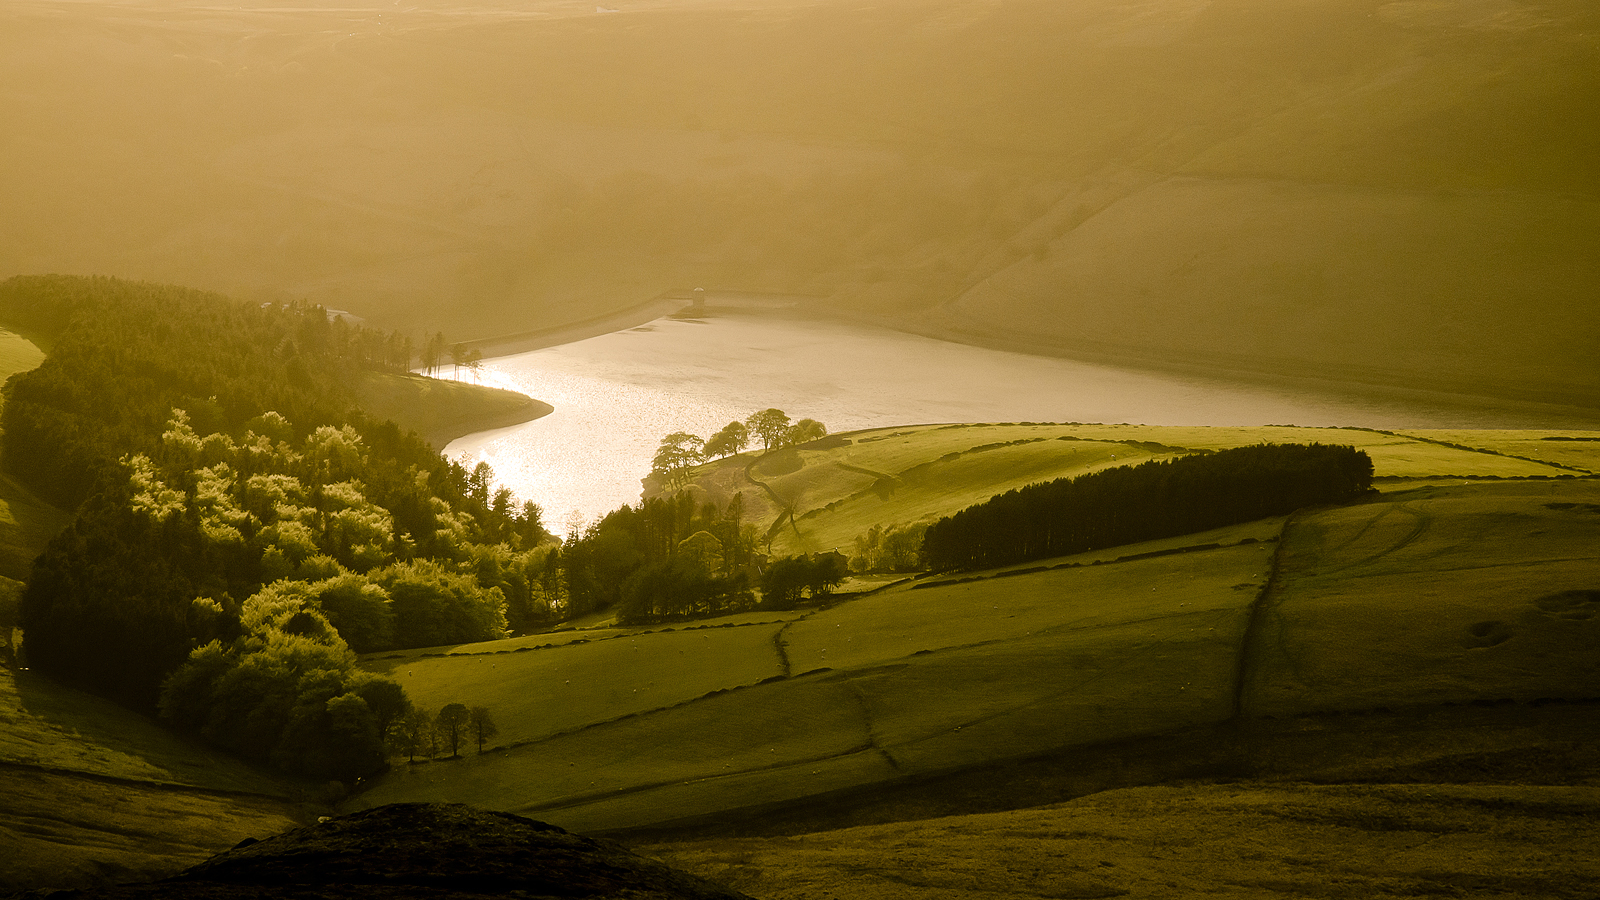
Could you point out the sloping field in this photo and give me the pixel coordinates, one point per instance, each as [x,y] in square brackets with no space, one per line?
[841,486]
[1435,595]
[442,410]
[1255,841]
[92,793]
[901,682]
[26,522]
[609,676]
[1393,190]
[1577,449]
[1369,609]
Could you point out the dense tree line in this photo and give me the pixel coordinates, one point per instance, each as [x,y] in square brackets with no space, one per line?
[665,558]
[123,354]
[785,581]
[1157,499]
[897,548]
[241,530]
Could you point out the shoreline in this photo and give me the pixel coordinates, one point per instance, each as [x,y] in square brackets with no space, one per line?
[1327,384]
[571,332]
[1262,376]
[442,436]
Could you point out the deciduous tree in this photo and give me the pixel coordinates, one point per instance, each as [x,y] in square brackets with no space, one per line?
[770,425]
[451,725]
[482,725]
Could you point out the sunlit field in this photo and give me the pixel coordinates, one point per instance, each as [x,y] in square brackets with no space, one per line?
[842,486]
[1418,599]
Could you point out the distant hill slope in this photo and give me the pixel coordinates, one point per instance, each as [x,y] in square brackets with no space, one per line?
[1399,191]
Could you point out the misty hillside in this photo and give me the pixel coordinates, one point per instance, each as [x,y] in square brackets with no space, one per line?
[1406,192]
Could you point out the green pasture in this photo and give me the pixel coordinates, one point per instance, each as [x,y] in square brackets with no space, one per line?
[1448,594]
[840,487]
[1236,841]
[722,752]
[539,693]
[26,522]
[917,681]
[59,728]
[61,829]
[946,485]
[1577,449]
[904,620]
[91,792]
[442,410]
[1393,456]
[1412,598]
[17,354]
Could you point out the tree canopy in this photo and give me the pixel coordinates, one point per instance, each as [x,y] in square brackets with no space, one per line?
[241,529]
[1157,499]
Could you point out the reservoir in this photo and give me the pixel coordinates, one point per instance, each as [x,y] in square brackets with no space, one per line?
[617,395]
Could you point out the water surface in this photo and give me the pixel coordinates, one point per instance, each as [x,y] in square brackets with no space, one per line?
[616,395]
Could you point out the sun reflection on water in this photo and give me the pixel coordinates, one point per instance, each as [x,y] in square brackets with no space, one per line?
[615,396]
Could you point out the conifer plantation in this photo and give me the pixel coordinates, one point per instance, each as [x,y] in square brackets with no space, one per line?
[241,529]
[1157,499]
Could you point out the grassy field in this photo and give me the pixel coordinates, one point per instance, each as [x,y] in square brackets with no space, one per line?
[26,523]
[1368,611]
[1402,192]
[1509,576]
[841,486]
[91,793]
[442,410]
[1576,449]
[1256,841]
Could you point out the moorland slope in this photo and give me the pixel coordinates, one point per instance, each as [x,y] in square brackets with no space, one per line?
[1397,191]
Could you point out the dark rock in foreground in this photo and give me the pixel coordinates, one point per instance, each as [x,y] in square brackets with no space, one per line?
[433,850]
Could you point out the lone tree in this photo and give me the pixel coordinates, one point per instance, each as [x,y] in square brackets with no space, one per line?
[771,425]
[452,726]
[677,453]
[731,439]
[482,725]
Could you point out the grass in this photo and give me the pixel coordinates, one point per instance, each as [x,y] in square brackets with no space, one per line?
[918,681]
[840,487]
[582,684]
[1490,565]
[91,793]
[442,410]
[64,829]
[26,522]
[923,679]
[1188,840]
[1576,449]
